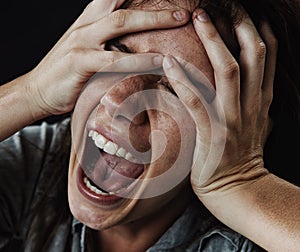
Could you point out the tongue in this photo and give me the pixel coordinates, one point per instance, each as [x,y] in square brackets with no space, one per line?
[112,173]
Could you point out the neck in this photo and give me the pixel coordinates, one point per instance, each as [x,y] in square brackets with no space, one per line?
[141,234]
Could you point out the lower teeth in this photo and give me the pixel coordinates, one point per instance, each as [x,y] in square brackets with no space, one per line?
[97,190]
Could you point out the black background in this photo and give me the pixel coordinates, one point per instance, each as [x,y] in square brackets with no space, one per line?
[29,29]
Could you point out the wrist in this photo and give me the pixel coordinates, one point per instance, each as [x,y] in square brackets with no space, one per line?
[33,97]
[229,177]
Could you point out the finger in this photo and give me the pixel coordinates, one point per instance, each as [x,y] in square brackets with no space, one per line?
[96,10]
[91,61]
[252,63]
[199,79]
[187,93]
[271,59]
[226,69]
[122,22]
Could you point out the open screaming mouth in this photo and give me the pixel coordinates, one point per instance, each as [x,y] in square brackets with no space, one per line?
[108,170]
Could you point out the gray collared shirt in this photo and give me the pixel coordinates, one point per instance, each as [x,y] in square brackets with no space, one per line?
[191,232]
[24,162]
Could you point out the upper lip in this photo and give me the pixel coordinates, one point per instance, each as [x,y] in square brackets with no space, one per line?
[116,137]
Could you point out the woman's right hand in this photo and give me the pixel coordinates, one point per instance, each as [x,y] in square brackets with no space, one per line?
[54,85]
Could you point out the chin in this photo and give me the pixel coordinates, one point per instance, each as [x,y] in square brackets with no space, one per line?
[90,212]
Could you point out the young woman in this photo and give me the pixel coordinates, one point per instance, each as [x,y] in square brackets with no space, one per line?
[245,55]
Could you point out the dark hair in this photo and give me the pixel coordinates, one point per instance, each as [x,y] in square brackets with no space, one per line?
[280,156]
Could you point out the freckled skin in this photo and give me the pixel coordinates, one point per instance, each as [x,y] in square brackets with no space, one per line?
[147,215]
[187,47]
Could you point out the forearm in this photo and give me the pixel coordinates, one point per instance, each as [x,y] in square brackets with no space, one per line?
[266,211]
[18,108]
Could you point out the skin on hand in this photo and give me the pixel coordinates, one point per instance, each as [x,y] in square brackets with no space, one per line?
[54,85]
[232,129]
[238,115]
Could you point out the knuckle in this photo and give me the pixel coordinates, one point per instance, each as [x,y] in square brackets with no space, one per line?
[72,56]
[260,50]
[109,58]
[230,70]
[211,34]
[193,102]
[118,18]
[156,18]
[89,6]
[268,98]
[74,36]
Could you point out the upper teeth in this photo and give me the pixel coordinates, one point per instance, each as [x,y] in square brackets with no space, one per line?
[109,147]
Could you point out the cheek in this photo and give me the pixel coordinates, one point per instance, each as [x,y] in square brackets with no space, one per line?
[88,100]
[173,142]
[92,93]
[166,143]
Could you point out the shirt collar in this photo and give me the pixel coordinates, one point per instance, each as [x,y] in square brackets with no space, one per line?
[195,222]
[79,236]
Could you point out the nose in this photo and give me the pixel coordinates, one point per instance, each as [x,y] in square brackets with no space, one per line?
[122,101]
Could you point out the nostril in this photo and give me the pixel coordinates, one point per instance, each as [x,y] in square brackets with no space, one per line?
[140,118]
[125,100]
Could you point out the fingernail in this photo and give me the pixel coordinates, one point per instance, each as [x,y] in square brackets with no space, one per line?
[157,60]
[202,16]
[180,15]
[168,62]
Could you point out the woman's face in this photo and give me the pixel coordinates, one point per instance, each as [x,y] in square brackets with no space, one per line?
[133,140]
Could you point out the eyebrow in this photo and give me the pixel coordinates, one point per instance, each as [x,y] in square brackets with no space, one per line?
[136,3]
[131,3]
[127,4]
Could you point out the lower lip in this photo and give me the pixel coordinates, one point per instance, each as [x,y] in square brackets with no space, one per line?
[108,200]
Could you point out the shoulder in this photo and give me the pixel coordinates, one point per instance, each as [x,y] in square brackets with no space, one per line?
[28,161]
[198,230]
[212,235]
[225,238]
[33,140]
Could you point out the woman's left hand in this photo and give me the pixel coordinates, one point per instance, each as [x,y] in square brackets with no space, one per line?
[233,126]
